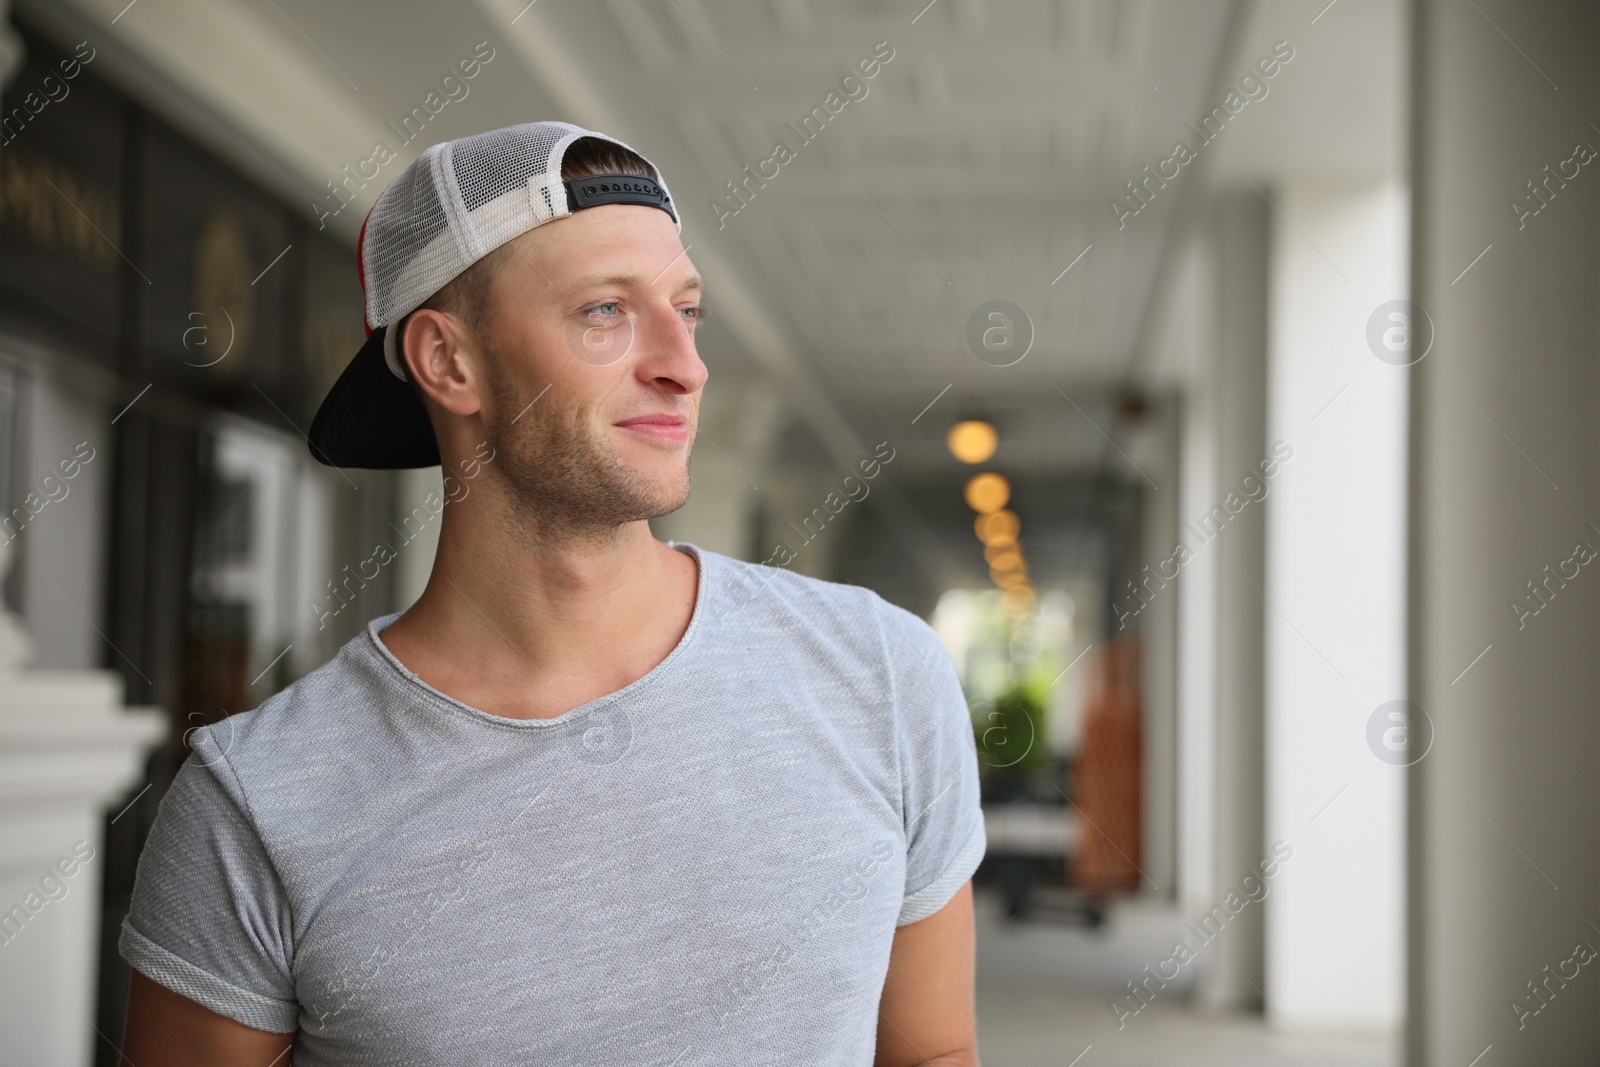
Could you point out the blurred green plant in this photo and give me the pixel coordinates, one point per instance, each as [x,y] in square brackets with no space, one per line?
[1008,680]
[1009,730]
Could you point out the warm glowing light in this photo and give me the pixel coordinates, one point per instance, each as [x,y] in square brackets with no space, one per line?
[1001,526]
[987,492]
[972,441]
[1006,559]
[995,549]
[1009,579]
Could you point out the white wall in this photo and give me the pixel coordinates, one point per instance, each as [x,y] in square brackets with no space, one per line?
[1176,675]
[1158,456]
[62,557]
[1197,632]
[1335,572]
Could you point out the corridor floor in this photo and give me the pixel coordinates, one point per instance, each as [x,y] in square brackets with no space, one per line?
[1044,996]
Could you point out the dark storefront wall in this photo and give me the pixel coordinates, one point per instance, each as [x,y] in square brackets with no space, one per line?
[145,272]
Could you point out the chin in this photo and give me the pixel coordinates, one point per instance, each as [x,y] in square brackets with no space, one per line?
[671,497]
[657,480]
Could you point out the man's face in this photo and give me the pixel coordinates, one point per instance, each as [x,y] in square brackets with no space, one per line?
[590,328]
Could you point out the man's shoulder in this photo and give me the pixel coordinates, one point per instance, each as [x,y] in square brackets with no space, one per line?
[308,722]
[782,591]
[790,599]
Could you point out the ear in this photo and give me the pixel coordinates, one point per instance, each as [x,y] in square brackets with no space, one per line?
[440,356]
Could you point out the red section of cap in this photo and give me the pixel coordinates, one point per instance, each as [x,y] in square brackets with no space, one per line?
[361,267]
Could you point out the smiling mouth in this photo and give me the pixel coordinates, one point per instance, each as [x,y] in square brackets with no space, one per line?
[665,427]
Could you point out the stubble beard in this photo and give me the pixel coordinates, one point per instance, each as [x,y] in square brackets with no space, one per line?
[562,481]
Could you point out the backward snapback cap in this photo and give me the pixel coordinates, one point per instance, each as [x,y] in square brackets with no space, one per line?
[450,207]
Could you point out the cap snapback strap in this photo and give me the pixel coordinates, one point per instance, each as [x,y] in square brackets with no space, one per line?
[617,189]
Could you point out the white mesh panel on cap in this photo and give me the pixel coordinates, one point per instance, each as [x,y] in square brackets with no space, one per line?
[408,217]
[459,201]
[460,228]
[491,164]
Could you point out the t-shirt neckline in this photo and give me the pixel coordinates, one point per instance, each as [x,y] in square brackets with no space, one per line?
[633,688]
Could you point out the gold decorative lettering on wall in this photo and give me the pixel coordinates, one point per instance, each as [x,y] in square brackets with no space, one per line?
[222,283]
[48,205]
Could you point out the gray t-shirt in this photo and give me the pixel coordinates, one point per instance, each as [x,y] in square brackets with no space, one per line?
[705,867]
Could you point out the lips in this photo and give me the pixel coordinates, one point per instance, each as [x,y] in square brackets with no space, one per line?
[656,420]
[670,427]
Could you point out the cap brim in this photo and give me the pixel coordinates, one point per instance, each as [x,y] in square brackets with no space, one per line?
[372,419]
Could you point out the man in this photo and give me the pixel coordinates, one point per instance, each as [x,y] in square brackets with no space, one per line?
[592,799]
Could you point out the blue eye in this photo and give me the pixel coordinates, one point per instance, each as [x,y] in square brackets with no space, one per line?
[613,304]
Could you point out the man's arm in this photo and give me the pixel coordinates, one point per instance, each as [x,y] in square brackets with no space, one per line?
[172,1030]
[926,1015]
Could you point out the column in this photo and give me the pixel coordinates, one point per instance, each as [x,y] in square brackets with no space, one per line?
[1504,843]
[1232,962]
[1335,627]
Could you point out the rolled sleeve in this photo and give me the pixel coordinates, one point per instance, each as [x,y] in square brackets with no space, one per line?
[209,919]
[944,827]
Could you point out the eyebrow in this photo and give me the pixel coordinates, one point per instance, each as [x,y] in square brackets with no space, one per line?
[633,280]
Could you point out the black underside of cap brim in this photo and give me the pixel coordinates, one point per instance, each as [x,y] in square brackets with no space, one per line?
[371,419]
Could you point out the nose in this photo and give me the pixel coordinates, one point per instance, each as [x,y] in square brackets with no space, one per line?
[665,347]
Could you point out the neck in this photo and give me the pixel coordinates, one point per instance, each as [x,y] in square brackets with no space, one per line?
[534,588]
[545,612]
